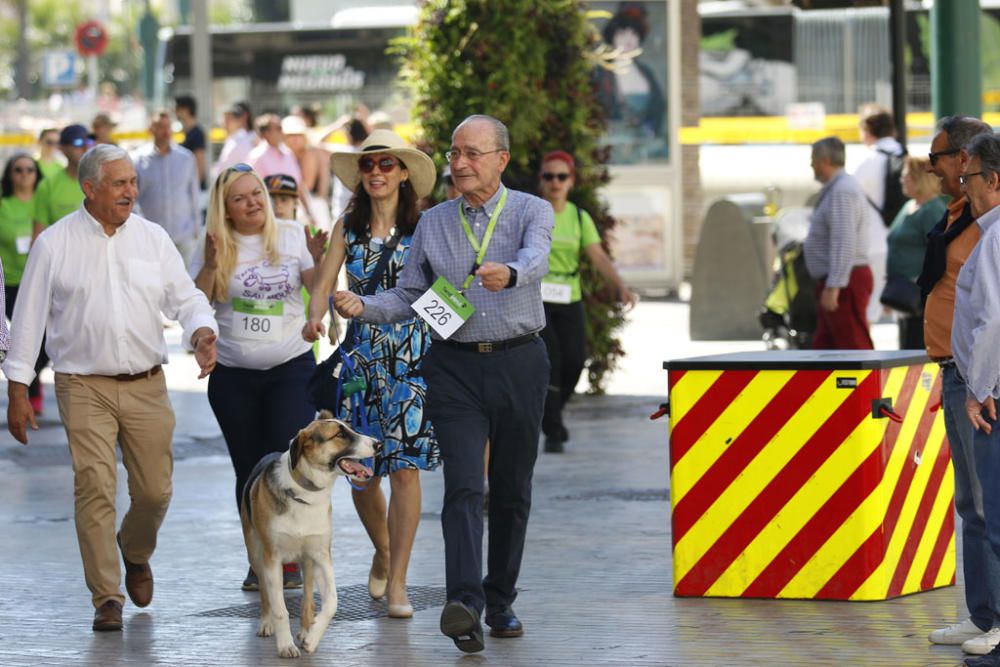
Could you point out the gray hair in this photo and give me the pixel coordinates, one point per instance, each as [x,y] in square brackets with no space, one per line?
[961,130]
[92,163]
[987,148]
[831,148]
[500,133]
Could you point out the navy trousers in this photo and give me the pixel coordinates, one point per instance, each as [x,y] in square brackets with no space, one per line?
[259,411]
[472,397]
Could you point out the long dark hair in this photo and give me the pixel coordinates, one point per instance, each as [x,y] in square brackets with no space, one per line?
[7,182]
[359,210]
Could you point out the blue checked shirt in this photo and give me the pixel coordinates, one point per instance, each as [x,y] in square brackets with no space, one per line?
[975,331]
[521,240]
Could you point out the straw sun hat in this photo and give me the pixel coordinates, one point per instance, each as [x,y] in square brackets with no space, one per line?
[420,166]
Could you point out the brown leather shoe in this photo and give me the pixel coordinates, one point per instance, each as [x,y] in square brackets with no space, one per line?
[138,579]
[108,617]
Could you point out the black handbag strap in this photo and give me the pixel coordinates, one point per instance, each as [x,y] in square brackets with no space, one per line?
[388,248]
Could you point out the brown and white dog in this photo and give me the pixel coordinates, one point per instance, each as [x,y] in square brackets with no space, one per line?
[286,516]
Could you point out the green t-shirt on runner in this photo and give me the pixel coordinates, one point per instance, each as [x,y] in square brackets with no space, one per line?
[16,222]
[50,169]
[57,196]
[570,235]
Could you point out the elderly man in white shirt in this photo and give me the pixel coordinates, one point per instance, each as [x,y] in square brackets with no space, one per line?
[99,282]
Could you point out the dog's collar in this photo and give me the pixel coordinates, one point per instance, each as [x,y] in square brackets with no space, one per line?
[302,480]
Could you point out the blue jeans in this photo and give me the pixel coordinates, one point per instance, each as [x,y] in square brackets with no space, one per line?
[974,455]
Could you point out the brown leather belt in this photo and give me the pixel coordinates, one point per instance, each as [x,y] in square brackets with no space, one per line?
[125,377]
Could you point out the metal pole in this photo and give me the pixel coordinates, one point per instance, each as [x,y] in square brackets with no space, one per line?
[897,42]
[956,70]
[201,71]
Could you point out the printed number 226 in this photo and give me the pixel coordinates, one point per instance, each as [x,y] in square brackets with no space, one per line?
[437,312]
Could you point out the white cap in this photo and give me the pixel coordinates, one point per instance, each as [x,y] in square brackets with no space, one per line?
[293,125]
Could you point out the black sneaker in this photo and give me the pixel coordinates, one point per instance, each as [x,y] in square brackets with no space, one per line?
[251,583]
[553,445]
[292,576]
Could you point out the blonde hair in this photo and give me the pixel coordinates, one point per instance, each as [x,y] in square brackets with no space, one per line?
[218,224]
[925,184]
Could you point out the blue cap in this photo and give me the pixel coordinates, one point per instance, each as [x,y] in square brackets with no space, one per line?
[75,135]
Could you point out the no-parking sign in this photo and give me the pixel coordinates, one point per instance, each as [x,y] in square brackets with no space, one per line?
[59,69]
[91,38]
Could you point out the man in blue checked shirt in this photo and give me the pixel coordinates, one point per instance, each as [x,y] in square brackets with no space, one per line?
[487,380]
[975,333]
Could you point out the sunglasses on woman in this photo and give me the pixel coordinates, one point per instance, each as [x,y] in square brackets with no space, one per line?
[549,176]
[385,164]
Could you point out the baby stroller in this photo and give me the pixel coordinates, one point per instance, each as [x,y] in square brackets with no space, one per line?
[789,313]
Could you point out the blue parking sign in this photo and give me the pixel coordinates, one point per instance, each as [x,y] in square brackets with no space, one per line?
[59,69]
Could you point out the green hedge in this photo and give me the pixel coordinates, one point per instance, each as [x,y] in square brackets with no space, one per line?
[528,63]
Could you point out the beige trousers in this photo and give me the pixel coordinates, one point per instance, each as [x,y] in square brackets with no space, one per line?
[97,412]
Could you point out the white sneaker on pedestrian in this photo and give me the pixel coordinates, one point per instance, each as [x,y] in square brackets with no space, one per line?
[982,644]
[955,634]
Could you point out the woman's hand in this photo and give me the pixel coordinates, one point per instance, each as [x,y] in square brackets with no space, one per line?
[211,251]
[627,297]
[316,243]
[313,330]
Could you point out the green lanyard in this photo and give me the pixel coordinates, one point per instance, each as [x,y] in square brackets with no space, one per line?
[480,249]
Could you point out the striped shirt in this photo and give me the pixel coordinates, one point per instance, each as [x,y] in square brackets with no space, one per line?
[975,333]
[521,239]
[838,231]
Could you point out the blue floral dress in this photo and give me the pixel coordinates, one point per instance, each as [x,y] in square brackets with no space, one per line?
[389,356]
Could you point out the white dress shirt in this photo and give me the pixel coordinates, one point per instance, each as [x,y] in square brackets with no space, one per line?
[99,299]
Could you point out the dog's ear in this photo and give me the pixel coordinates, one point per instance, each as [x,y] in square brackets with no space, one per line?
[295,449]
[325,414]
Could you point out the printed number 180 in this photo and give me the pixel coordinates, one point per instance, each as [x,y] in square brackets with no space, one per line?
[256,325]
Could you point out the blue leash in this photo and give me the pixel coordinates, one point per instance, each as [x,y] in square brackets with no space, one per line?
[359,418]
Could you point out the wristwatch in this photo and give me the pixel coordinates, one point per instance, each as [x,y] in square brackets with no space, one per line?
[513,276]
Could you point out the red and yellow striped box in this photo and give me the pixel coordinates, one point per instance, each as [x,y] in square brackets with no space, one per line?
[784,485]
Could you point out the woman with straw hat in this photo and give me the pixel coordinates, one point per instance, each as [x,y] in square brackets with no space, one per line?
[387,178]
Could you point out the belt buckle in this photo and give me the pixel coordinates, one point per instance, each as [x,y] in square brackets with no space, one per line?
[485,347]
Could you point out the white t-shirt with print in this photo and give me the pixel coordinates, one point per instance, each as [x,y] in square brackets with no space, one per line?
[260,326]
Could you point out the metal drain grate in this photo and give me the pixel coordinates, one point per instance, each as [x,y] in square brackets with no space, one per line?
[633,495]
[353,604]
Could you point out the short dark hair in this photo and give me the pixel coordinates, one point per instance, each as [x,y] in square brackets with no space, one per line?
[186,102]
[831,148]
[41,135]
[879,124]
[961,129]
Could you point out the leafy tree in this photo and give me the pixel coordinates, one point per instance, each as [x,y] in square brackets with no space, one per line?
[529,63]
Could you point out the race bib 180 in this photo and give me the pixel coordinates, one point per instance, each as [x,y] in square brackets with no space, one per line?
[257,319]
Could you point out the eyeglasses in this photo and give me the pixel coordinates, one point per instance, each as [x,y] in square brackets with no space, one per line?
[934,156]
[963,179]
[385,164]
[23,170]
[549,176]
[472,155]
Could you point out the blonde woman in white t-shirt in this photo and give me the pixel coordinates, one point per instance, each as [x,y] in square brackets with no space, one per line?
[253,268]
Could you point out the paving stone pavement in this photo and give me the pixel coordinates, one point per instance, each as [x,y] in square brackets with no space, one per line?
[595,589]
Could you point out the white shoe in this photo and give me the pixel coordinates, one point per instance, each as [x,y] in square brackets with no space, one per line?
[955,634]
[982,644]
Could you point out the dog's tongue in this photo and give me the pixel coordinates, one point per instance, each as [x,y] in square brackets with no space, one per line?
[354,469]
